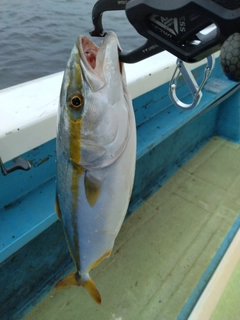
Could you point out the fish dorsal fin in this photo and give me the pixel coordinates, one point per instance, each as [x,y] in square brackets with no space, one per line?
[96,263]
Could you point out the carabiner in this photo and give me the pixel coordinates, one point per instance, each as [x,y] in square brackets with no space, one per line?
[194,88]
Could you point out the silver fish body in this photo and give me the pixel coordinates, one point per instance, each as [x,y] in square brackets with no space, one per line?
[96,155]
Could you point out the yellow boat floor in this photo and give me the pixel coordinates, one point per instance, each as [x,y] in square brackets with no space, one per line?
[163,249]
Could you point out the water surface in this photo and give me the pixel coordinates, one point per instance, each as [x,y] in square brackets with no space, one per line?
[36,36]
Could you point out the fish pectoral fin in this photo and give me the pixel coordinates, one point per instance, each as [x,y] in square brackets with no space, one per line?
[73,279]
[92,290]
[92,189]
[69,281]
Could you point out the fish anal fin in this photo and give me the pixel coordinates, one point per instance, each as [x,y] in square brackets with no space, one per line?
[92,189]
[69,281]
[57,208]
[107,254]
[92,290]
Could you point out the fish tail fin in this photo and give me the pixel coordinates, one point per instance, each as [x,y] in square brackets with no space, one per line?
[88,284]
[73,279]
[69,281]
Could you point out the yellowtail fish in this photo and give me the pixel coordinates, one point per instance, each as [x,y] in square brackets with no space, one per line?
[96,155]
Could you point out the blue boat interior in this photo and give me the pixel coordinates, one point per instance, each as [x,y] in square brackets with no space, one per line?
[33,251]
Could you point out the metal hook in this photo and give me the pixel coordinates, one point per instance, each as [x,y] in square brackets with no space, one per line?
[19,164]
[194,88]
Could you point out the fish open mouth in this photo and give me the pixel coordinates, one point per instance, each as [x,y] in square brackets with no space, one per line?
[90,51]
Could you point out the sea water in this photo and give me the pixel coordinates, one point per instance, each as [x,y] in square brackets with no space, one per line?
[36,36]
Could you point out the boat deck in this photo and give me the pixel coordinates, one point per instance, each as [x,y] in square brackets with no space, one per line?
[164,249]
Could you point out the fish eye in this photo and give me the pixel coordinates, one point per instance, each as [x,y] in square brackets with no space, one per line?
[76,101]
